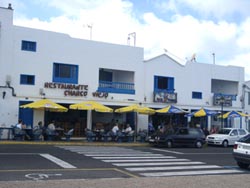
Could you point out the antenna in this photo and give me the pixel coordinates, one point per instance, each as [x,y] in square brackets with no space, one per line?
[213,54]
[90,26]
[132,35]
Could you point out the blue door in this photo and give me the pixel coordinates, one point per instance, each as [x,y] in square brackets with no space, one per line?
[26,114]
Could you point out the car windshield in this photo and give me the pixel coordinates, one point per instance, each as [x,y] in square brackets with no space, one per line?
[224,131]
[245,139]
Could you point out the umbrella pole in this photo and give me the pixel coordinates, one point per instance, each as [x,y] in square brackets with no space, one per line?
[136,121]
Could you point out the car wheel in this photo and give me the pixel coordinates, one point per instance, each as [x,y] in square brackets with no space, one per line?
[243,165]
[198,144]
[225,143]
[169,144]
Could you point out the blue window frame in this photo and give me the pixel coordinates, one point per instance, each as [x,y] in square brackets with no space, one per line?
[196,95]
[164,84]
[27,79]
[65,73]
[28,46]
[105,75]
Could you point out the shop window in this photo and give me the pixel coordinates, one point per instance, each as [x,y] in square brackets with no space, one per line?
[27,79]
[28,46]
[196,95]
[65,73]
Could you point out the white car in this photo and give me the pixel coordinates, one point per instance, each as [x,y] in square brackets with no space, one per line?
[241,152]
[226,136]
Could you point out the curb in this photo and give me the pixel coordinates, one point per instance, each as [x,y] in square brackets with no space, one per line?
[78,143]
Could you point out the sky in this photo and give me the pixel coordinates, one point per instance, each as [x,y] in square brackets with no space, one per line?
[216,31]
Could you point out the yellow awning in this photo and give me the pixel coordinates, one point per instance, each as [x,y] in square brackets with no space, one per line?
[233,114]
[91,105]
[171,110]
[45,104]
[136,108]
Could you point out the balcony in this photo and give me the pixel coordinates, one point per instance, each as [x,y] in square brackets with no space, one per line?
[116,87]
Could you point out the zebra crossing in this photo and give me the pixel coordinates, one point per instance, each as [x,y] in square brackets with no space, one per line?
[149,164]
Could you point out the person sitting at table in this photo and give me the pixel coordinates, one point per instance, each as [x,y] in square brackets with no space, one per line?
[52,126]
[38,126]
[115,129]
[19,124]
[128,129]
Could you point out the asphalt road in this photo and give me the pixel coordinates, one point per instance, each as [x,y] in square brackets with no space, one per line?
[35,164]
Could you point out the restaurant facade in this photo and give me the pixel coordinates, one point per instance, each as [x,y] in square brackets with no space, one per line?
[37,64]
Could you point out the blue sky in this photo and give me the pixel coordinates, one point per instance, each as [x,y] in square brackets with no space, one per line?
[182,27]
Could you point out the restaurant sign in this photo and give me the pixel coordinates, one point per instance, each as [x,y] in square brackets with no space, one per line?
[164,97]
[69,89]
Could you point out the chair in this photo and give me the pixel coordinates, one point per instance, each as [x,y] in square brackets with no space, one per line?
[37,133]
[120,136]
[106,136]
[1,133]
[51,134]
[142,135]
[68,134]
[90,136]
[130,136]
[19,134]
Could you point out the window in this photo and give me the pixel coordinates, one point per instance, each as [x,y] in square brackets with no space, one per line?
[164,84]
[105,75]
[196,95]
[248,98]
[64,73]
[234,133]
[28,46]
[183,132]
[242,132]
[27,79]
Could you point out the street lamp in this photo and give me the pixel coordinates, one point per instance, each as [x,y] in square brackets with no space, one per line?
[222,100]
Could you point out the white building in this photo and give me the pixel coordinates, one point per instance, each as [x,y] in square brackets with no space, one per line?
[194,85]
[36,64]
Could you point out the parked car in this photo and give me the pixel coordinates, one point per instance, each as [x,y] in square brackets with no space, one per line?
[241,152]
[226,137]
[182,136]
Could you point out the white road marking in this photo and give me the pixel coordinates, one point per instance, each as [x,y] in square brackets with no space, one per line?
[173,168]
[168,151]
[188,173]
[125,154]
[59,162]
[135,157]
[156,164]
[144,160]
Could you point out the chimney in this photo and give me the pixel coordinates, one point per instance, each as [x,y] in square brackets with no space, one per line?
[9,6]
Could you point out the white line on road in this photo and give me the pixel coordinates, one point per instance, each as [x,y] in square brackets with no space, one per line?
[168,151]
[188,173]
[144,160]
[136,157]
[59,162]
[173,168]
[155,164]
[114,154]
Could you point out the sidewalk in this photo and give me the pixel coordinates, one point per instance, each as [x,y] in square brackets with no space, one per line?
[78,142]
[218,181]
